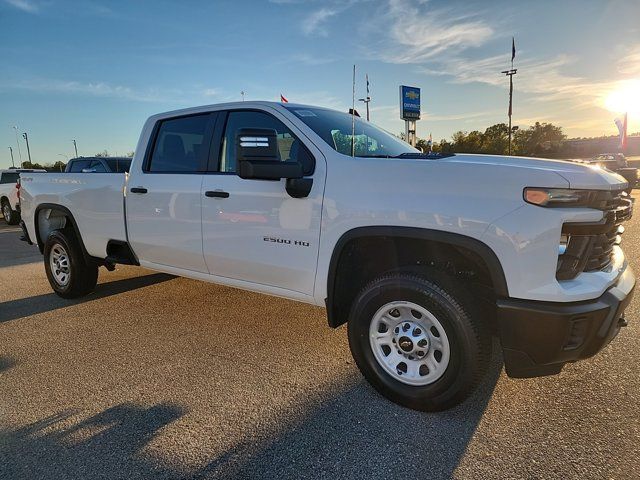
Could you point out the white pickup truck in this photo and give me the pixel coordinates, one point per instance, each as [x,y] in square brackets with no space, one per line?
[425,256]
[10,194]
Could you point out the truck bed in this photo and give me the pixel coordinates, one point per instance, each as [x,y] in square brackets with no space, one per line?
[96,200]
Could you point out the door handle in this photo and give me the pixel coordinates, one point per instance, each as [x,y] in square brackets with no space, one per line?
[216,194]
[138,190]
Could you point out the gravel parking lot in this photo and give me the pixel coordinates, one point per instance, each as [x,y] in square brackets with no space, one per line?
[154,376]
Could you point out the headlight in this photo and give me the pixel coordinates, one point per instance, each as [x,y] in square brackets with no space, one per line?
[561,197]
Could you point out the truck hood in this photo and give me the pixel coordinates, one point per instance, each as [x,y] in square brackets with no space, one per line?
[578,175]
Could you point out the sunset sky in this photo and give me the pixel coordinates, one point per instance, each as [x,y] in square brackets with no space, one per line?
[94,70]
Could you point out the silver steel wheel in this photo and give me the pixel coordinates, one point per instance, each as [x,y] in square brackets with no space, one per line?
[410,343]
[59,263]
[6,211]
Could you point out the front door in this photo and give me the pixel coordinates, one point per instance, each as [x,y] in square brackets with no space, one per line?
[258,233]
[164,203]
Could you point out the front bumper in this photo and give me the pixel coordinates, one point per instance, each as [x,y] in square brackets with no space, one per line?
[538,338]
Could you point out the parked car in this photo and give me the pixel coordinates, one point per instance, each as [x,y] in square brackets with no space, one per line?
[9,193]
[616,162]
[283,199]
[98,165]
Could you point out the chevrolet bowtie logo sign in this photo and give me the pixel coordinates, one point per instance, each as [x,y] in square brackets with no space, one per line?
[409,103]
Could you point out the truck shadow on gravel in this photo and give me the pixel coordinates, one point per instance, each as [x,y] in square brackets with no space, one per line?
[346,432]
[6,363]
[25,307]
[358,434]
[106,445]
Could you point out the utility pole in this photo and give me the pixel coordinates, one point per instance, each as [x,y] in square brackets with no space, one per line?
[75,146]
[15,128]
[12,163]
[510,73]
[26,139]
[367,99]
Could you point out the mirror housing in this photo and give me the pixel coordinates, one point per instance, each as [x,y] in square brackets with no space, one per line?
[258,156]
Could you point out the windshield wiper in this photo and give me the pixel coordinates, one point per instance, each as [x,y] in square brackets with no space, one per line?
[430,155]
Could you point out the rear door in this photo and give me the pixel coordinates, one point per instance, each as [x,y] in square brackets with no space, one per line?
[163,203]
[253,230]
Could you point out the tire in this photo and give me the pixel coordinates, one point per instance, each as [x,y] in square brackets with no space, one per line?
[441,315]
[68,272]
[10,216]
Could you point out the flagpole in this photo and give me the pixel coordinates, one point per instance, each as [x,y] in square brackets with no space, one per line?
[510,73]
[353,114]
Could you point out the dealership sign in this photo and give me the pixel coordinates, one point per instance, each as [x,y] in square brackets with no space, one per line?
[409,103]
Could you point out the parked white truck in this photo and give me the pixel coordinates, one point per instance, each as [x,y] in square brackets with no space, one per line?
[10,194]
[426,257]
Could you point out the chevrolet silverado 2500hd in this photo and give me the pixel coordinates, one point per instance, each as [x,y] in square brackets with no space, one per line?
[425,257]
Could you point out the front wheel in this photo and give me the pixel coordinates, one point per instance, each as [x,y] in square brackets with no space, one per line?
[11,216]
[69,274]
[417,340]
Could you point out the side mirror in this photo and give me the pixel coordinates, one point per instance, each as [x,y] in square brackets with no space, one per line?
[258,156]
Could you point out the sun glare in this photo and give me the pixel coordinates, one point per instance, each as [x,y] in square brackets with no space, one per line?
[625,98]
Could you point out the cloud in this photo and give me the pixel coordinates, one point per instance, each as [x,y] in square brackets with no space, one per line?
[24,5]
[308,59]
[417,33]
[314,23]
[630,63]
[108,90]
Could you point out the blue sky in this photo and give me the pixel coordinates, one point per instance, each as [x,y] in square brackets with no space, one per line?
[95,70]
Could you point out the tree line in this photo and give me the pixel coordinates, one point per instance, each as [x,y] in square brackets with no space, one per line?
[541,139]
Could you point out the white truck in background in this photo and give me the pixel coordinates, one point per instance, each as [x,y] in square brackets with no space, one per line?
[426,257]
[10,193]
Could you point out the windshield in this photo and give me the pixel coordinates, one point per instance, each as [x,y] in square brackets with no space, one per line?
[335,128]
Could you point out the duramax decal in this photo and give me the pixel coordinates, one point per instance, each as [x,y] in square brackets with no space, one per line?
[286,241]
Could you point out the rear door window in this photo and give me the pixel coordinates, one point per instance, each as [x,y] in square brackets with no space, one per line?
[180,145]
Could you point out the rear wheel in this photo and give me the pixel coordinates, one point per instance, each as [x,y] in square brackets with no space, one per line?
[418,340]
[10,216]
[69,274]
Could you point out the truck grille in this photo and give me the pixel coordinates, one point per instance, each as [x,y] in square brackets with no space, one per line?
[591,245]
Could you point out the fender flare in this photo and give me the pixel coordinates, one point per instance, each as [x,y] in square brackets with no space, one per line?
[72,221]
[480,248]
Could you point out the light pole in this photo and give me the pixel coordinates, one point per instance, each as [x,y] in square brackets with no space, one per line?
[75,146]
[15,128]
[12,163]
[26,139]
[367,99]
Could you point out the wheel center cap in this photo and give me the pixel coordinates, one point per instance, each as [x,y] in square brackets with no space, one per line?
[405,344]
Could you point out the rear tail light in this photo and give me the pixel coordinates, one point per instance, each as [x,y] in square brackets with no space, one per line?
[18,189]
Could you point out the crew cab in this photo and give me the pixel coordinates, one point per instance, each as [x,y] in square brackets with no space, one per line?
[9,193]
[320,207]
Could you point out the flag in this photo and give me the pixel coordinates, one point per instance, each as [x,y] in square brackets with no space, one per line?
[283,99]
[621,123]
[367,85]
[513,48]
